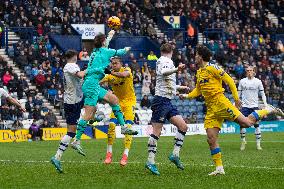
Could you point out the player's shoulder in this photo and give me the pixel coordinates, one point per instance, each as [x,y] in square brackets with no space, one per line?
[126,69]
[70,66]
[165,60]
[243,80]
[212,65]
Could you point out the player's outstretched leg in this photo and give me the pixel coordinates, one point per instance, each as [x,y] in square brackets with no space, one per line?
[257,115]
[257,136]
[152,150]
[212,135]
[243,138]
[174,157]
[127,145]
[110,141]
[113,102]
[76,144]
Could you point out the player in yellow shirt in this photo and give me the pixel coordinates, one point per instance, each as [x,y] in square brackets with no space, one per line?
[209,85]
[121,81]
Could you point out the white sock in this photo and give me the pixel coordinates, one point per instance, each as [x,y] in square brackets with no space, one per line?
[62,146]
[152,148]
[243,134]
[178,142]
[258,135]
[126,150]
[109,148]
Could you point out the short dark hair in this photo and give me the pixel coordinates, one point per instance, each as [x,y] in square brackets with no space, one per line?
[204,52]
[99,39]
[166,48]
[117,59]
[70,54]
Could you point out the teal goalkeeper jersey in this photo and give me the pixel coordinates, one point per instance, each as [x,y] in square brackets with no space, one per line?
[99,60]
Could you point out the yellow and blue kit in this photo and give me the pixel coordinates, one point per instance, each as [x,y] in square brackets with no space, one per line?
[209,85]
[124,90]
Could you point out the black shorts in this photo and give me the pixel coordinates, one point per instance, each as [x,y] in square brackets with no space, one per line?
[72,112]
[247,111]
[162,109]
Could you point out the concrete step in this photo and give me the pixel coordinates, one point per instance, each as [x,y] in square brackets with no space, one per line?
[63,125]
[11,42]
[32,87]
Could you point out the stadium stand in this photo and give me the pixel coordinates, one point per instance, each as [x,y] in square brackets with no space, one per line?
[234,30]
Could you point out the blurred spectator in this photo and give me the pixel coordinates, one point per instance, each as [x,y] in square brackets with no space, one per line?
[6,78]
[44,124]
[51,119]
[34,130]
[29,104]
[152,56]
[145,102]
[40,80]
[36,113]
[17,125]
[146,85]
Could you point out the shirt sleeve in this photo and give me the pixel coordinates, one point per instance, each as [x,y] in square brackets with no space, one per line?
[4,93]
[262,93]
[72,69]
[240,88]
[113,52]
[127,69]
[219,73]
[166,68]
[195,93]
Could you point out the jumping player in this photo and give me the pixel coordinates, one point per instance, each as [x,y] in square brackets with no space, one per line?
[249,89]
[121,82]
[99,60]
[209,85]
[164,110]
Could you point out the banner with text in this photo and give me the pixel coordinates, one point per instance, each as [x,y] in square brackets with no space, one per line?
[89,31]
[58,133]
[17,136]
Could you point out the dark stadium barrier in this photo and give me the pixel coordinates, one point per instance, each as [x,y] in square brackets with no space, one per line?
[65,42]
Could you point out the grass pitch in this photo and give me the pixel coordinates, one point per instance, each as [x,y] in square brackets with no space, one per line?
[26,165]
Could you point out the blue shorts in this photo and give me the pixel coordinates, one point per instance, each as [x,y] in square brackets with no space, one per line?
[72,112]
[247,111]
[162,109]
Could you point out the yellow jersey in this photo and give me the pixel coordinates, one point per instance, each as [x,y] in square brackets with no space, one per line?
[122,87]
[209,83]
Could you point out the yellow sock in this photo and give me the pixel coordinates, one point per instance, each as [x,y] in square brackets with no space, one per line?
[111,133]
[128,139]
[261,113]
[217,157]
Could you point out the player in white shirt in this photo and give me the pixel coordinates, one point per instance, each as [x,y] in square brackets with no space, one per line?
[249,89]
[73,103]
[163,109]
[12,100]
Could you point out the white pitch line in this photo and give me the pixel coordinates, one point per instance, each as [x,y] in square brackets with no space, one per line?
[136,162]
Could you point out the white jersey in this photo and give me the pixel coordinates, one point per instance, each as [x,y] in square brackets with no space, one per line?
[249,90]
[165,84]
[3,93]
[72,84]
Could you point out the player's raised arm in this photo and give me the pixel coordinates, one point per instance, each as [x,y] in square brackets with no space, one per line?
[166,70]
[11,99]
[193,94]
[123,74]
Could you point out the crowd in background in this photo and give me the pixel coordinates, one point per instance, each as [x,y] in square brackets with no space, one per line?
[244,41]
